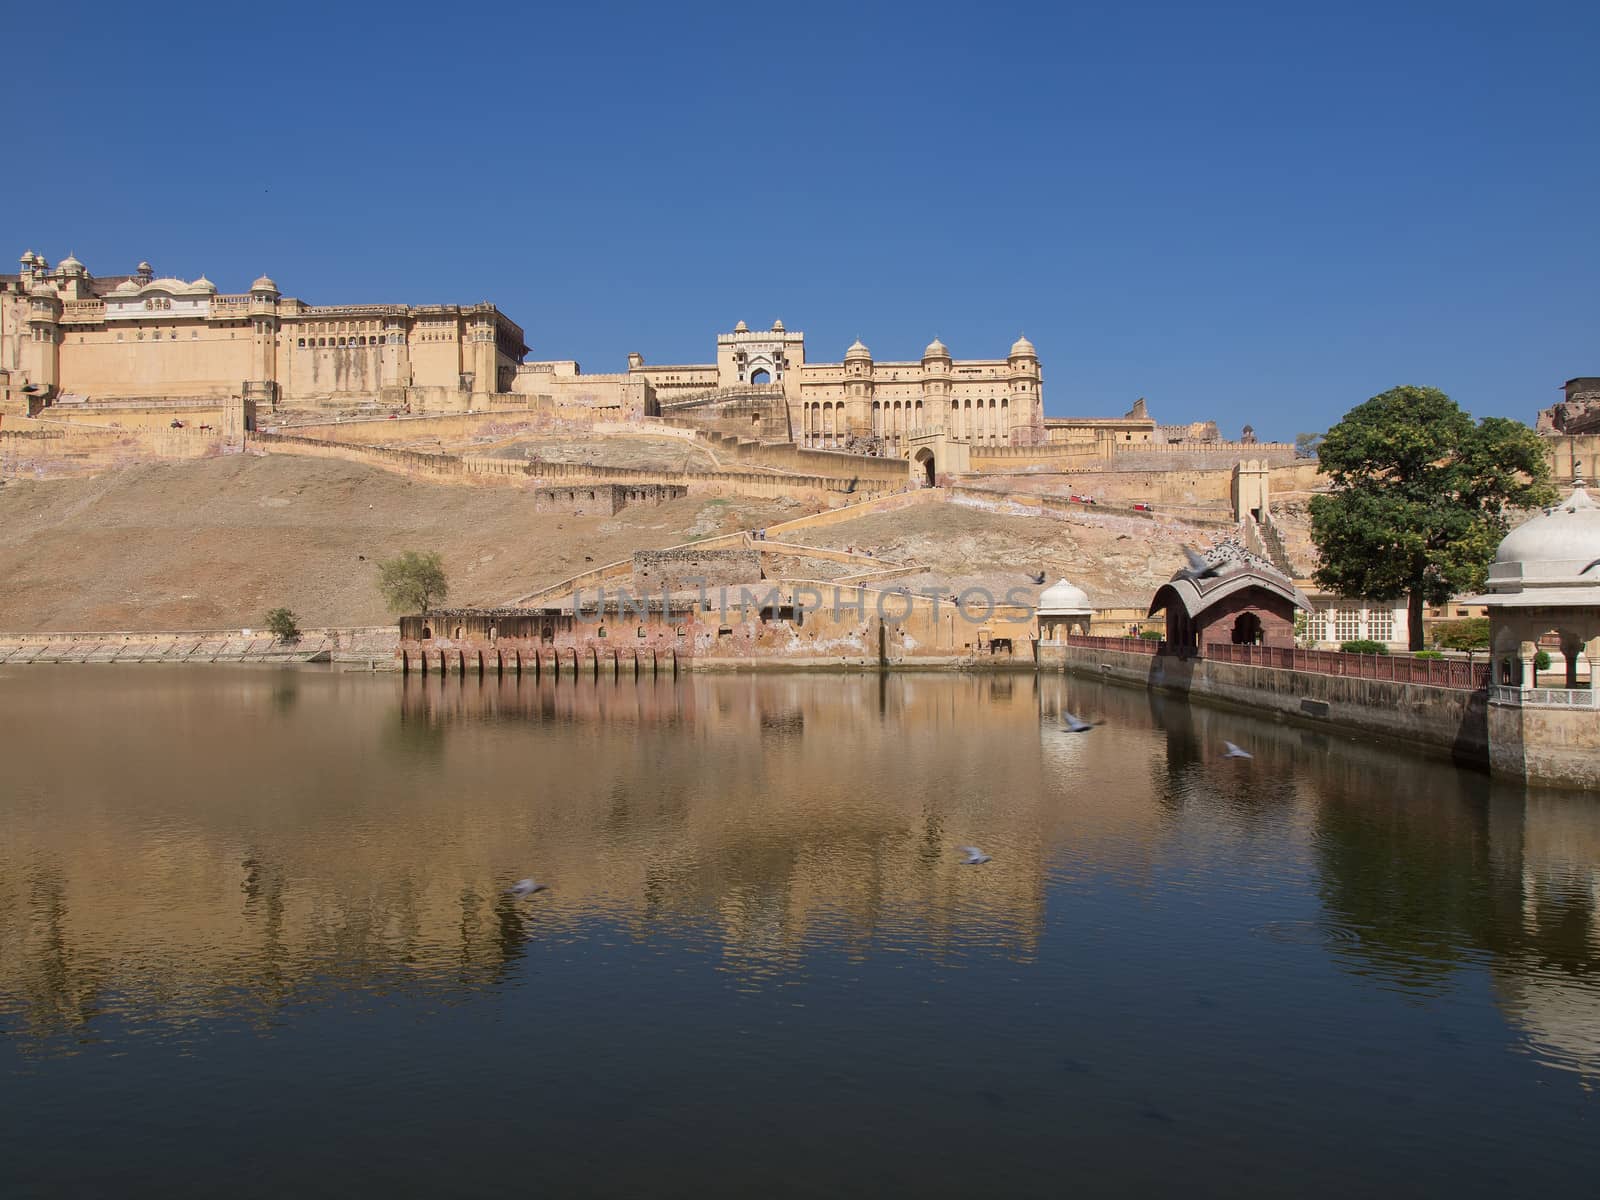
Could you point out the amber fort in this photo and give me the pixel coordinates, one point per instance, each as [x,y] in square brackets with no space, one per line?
[898,486]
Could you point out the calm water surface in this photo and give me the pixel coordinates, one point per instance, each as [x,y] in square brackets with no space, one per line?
[254,939]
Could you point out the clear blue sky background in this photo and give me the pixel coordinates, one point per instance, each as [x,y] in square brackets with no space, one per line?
[1260,213]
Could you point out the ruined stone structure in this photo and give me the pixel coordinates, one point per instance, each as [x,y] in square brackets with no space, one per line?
[1578,412]
[677,568]
[784,622]
[603,499]
[66,332]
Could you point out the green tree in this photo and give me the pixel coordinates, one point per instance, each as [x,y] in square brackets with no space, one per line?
[1418,498]
[1306,445]
[1469,633]
[283,625]
[413,581]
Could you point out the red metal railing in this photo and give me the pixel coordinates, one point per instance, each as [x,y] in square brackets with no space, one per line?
[1434,672]
[1131,645]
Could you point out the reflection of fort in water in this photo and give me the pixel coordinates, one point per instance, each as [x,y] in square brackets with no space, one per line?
[244,841]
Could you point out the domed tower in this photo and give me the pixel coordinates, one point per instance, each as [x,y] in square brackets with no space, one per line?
[936,386]
[858,389]
[73,279]
[1026,387]
[263,384]
[41,359]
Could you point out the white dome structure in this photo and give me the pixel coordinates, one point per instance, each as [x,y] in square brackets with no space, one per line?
[1548,560]
[264,284]
[1023,348]
[936,349]
[857,349]
[1062,598]
[1064,609]
[1544,581]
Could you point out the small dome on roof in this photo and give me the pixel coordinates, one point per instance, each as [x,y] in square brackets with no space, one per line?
[264,284]
[1064,599]
[203,285]
[167,284]
[777,327]
[741,327]
[128,287]
[144,268]
[1023,348]
[936,349]
[27,256]
[857,350]
[69,263]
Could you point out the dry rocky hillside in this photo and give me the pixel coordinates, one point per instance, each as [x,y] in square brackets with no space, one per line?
[1117,559]
[214,543]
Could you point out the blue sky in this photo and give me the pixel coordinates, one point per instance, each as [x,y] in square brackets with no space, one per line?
[1258,213]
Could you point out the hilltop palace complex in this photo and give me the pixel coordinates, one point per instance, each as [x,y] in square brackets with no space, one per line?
[68,336]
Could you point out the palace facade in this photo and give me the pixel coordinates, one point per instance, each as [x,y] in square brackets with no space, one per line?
[65,332]
[833,405]
[68,335]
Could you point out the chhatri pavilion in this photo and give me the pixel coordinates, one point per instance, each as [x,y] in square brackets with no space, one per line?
[1546,579]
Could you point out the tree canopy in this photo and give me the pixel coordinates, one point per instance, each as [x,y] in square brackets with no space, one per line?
[413,581]
[1418,498]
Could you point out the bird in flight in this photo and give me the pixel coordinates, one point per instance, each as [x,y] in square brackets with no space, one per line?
[1037,577]
[1075,724]
[1235,752]
[972,856]
[1590,567]
[1199,567]
[526,887]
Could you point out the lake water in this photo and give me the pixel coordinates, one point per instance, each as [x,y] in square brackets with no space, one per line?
[254,939]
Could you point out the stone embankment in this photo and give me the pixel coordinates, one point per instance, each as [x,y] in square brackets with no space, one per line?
[373,647]
[1446,720]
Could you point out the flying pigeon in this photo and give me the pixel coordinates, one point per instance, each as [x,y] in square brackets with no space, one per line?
[1199,567]
[526,887]
[973,856]
[1075,724]
[1235,752]
[1039,578]
[1590,567]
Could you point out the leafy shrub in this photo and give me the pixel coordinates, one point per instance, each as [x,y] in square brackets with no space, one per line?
[1541,661]
[283,625]
[1151,635]
[1428,654]
[1364,646]
[1469,633]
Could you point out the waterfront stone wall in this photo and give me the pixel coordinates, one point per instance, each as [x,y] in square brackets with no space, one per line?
[1451,721]
[792,623]
[1546,745]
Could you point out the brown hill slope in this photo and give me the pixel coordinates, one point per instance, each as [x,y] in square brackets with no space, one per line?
[215,543]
